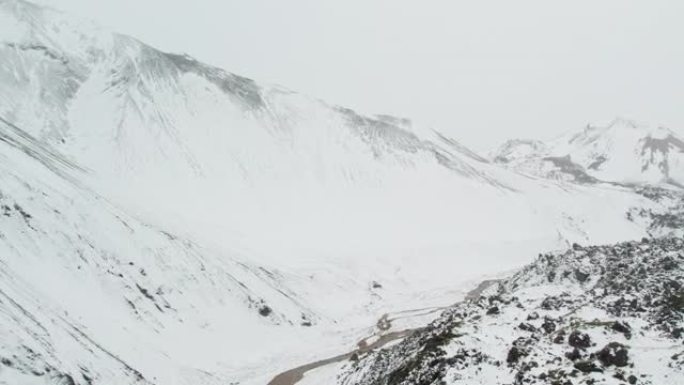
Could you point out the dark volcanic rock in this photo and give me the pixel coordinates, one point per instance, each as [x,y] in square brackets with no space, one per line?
[521,342]
[527,327]
[265,311]
[581,276]
[622,327]
[549,325]
[514,355]
[573,355]
[587,367]
[613,354]
[579,340]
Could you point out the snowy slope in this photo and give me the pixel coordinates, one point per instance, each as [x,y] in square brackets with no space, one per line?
[89,291]
[168,219]
[187,139]
[176,142]
[622,151]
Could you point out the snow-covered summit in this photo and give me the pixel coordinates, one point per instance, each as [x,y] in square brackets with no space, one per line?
[623,151]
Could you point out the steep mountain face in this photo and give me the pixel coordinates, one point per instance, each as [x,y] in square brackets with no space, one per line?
[164,221]
[165,135]
[611,314]
[621,152]
[80,89]
[89,294]
[177,141]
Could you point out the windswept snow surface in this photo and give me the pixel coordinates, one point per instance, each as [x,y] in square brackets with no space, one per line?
[169,222]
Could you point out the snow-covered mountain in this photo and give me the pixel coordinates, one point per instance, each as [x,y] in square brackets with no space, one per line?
[622,152]
[163,133]
[89,294]
[164,221]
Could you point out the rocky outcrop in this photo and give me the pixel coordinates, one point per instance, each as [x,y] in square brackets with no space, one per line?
[620,320]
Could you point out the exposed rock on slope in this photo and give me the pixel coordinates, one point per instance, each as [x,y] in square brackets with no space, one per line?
[622,152]
[665,220]
[119,106]
[590,315]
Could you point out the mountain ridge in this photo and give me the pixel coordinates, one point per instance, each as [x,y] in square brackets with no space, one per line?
[622,151]
[574,316]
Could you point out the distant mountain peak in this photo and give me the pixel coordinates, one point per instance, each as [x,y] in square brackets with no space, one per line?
[621,125]
[622,122]
[622,151]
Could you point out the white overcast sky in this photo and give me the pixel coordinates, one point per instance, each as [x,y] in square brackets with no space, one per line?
[482,71]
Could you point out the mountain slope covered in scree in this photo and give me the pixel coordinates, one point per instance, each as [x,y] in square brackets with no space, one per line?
[590,315]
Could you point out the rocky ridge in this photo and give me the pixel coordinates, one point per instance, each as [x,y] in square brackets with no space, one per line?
[589,315]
